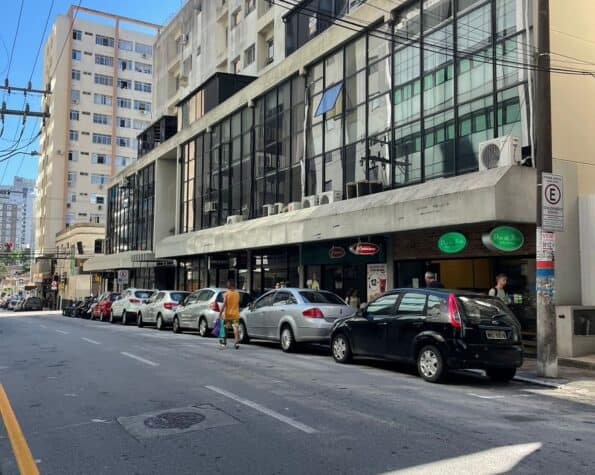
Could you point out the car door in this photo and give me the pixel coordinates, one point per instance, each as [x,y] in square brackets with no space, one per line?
[201,307]
[184,311]
[368,332]
[255,317]
[154,306]
[406,324]
[282,305]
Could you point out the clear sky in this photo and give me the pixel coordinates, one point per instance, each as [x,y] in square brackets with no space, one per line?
[33,19]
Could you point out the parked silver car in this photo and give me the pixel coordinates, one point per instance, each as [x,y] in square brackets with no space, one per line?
[293,316]
[201,308]
[159,309]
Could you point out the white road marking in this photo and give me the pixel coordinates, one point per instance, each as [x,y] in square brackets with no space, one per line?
[138,358]
[485,397]
[42,326]
[90,341]
[63,332]
[269,412]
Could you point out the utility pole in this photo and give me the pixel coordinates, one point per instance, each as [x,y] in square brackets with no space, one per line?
[547,360]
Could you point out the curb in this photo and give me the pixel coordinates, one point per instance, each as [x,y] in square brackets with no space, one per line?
[575,363]
[539,382]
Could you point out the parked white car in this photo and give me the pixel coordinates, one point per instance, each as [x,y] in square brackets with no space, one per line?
[125,309]
[159,309]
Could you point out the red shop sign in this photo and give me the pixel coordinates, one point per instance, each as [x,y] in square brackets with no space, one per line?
[364,249]
[336,252]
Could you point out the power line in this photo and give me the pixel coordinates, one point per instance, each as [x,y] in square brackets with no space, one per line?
[14,41]
[47,21]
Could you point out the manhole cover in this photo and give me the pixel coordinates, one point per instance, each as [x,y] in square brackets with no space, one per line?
[174,420]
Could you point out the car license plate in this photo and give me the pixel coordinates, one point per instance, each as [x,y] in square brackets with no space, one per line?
[496,334]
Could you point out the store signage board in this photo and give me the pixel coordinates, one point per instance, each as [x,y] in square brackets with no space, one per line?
[123,276]
[364,249]
[503,238]
[552,202]
[452,242]
[336,252]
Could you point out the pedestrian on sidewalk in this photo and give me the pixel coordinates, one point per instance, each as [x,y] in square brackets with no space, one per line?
[498,289]
[431,281]
[230,314]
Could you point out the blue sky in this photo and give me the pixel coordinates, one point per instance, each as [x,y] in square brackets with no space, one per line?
[32,23]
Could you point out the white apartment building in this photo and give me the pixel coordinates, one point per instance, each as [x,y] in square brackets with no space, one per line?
[99,68]
[16,212]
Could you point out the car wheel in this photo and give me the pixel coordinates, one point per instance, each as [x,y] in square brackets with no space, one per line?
[139,320]
[430,364]
[501,375]
[124,318]
[243,333]
[203,327]
[288,343]
[341,348]
[176,326]
[159,324]
[111,317]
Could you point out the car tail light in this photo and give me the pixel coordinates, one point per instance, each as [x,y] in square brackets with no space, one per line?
[214,306]
[313,313]
[170,305]
[134,301]
[454,314]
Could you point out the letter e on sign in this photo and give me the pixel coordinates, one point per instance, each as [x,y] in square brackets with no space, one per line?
[552,202]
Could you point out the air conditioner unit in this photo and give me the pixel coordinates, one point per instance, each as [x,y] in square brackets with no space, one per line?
[294,206]
[145,55]
[100,207]
[210,207]
[310,201]
[280,208]
[499,152]
[235,218]
[329,197]
[269,210]
[68,205]
[75,101]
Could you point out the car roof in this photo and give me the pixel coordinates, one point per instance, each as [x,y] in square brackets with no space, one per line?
[437,290]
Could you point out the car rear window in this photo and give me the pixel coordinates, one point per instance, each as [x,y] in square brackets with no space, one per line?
[34,300]
[311,296]
[178,296]
[483,307]
[114,297]
[143,294]
[245,298]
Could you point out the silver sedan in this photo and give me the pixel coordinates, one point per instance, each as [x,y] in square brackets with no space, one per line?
[293,316]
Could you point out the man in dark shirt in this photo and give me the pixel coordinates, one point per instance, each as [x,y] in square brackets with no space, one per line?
[431,281]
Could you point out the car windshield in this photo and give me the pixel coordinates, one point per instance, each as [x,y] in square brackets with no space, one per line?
[178,296]
[483,307]
[143,294]
[311,296]
[113,297]
[245,298]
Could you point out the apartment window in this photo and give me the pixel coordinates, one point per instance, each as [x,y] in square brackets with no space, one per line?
[102,99]
[124,83]
[95,218]
[71,178]
[145,50]
[142,106]
[97,179]
[143,68]
[104,60]
[125,65]
[76,54]
[77,35]
[142,86]
[100,159]
[124,122]
[249,55]
[104,41]
[73,156]
[73,135]
[140,124]
[76,75]
[124,103]
[123,141]
[97,199]
[270,49]
[250,6]
[102,119]
[104,79]
[71,197]
[102,139]
[121,161]
[125,45]
[235,65]
[74,115]
[236,17]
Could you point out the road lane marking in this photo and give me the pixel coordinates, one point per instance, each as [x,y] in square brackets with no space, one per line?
[138,358]
[90,341]
[21,450]
[265,410]
[485,397]
[42,326]
[63,332]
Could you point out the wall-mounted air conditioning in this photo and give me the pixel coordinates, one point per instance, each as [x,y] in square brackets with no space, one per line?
[294,206]
[234,219]
[499,152]
[68,205]
[269,210]
[310,201]
[99,207]
[210,207]
[280,208]
[329,197]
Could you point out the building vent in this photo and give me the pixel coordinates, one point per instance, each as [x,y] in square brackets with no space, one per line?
[294,206]
[329,197]
[269,210]
[280,208]
[310,201]
[499,152]
[210,207]
[234,219]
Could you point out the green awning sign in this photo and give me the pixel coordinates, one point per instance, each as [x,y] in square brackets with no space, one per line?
[452,242]
[503,238]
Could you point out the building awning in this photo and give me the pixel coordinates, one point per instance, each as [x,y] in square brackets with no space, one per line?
[505,194]
[122,260]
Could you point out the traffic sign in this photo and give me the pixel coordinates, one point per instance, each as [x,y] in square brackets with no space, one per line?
[123,276]
[552,202]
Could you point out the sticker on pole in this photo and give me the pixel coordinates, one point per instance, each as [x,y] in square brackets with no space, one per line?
[552,202]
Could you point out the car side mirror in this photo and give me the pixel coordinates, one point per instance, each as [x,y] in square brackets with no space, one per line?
[251,307]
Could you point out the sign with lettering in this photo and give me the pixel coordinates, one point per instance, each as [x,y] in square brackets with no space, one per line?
[552,202]
[503,238]
[452,242]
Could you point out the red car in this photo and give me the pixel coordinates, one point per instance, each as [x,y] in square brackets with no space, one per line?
[103,307]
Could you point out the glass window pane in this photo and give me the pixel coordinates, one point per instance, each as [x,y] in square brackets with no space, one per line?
[379,114]
[474,30]
[355,90]
[476,126]
[439,156]
[436,12]
[355,56]
[407,154]
[333,68]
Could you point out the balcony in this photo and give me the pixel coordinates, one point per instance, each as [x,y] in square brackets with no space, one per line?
[157,133]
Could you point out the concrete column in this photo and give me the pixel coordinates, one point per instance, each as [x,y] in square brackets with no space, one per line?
[249,267]
[301,273]
[587,253]
[390,263]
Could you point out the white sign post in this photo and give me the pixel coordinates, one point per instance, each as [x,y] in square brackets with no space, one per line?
[552,202]
[123,277]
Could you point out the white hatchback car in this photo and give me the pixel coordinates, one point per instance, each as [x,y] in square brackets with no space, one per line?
[126,307]
[159,309]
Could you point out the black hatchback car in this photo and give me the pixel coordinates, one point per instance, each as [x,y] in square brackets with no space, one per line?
[436,329]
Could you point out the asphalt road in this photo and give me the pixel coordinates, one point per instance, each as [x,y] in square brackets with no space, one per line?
[94,398]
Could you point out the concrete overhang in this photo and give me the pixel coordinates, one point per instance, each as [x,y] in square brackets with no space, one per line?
[505,194]
[122,260]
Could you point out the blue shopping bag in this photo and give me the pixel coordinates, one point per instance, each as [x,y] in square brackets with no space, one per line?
[216,327]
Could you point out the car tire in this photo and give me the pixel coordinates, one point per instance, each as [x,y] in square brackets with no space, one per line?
[111,317]
[243,333]
[287,339]
[341,348]
[176,326]
[159,323]
[430,364]
[501,375]
[139,320]
[124,318]
[203,327]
